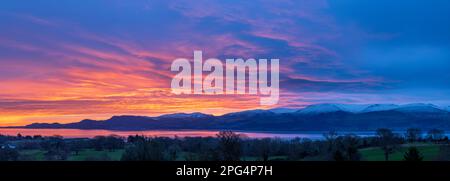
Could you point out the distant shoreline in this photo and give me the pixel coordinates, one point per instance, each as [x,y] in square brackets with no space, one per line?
[234,130]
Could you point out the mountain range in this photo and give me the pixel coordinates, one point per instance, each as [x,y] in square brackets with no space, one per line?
[318,117]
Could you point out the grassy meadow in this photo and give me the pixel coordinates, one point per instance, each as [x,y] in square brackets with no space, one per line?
[428,151]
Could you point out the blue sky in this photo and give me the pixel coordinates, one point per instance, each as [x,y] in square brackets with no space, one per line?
[57,55]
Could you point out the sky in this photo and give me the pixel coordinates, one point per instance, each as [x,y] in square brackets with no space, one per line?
[64,61]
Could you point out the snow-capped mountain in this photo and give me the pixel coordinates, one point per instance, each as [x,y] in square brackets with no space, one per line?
[419,107]
[354,108]
[323,108]
[360,108]
[314,117]
[281,110]
[447,108]
[248,112]
[320,108]
[380,107]
[326,108]
[185,115]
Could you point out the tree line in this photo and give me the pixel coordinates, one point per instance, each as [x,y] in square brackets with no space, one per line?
[227,146]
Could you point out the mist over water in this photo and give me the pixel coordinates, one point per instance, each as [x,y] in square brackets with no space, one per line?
[78,133]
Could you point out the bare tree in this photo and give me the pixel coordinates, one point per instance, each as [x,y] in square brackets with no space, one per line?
[436,135]
[389,142]
[265,148]
[330,137]
[413,134]
[230,145]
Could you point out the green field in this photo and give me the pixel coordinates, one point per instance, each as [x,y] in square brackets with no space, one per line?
[428,151]
[84,155]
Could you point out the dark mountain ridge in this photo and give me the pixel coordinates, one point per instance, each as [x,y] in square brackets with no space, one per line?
[314,118]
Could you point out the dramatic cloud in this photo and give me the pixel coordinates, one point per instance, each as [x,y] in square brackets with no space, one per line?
[69,60]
